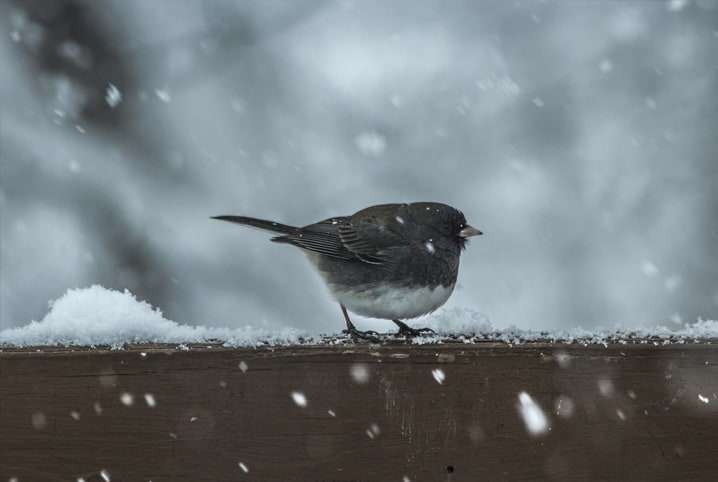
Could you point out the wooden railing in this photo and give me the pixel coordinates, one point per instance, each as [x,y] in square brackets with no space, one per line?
[487,411]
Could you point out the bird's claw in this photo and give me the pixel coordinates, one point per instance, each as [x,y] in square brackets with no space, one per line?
[368,335]
[406,330]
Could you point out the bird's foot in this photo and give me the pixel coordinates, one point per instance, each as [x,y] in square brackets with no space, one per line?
[406,330]
[356,335]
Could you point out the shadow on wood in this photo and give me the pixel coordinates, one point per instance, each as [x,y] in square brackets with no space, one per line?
[394,412]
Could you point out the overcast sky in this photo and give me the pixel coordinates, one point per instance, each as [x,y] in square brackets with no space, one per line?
[580,137]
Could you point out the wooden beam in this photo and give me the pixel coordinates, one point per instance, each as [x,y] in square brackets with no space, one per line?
[394,412]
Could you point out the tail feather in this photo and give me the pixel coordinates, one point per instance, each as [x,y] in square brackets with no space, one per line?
[262,224]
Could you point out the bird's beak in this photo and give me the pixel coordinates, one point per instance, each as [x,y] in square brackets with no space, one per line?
[469,231]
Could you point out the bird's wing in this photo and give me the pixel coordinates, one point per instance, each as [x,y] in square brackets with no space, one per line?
[338,237]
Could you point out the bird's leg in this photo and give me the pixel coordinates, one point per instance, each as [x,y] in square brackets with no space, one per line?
[356,334]
[406,330]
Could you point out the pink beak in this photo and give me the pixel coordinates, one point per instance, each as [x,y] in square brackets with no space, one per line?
[469,231]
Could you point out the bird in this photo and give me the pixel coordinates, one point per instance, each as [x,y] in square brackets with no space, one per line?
[389,261]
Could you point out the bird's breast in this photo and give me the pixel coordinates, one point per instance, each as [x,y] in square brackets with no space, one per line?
[392,302]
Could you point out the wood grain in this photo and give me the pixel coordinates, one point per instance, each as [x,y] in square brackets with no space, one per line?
[634,411]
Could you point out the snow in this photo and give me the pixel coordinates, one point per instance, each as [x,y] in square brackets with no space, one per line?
[97,316]
[244,468]
[649,269]
[533,416]
[471,326]
[370,143]
[359,373]
[127,399]
[503,84]
[39,420]
[605,387]
[677,5]
[429,247]
[565,406]
[150,400]
[563,359]
[113,96]
[299,398]
[438,375]
[163,94]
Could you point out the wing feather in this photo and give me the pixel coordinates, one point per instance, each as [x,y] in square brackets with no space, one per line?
[338,238]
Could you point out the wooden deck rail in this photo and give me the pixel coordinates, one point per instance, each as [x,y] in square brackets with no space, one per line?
[350,413]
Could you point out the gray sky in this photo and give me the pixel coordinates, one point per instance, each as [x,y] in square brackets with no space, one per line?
[579,136]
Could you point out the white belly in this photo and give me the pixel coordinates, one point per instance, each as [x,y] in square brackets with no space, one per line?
[394,304]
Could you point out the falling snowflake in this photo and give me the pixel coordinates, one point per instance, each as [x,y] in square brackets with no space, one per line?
[649,269]
[563,359]
[163,94]
[533,416]
[370,143]
[150,400]
[429,247]
[359,373]
[564,407]
[676,5]
[605,387]
[39,420]
[299,398]
[127,399]
[373,431]
[113,96]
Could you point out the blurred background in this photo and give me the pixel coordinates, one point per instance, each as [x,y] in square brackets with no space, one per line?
[579,136]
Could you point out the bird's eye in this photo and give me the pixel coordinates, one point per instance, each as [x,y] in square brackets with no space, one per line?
[445,228]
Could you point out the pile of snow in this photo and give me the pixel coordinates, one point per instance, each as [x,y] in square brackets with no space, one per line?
[471,326]
[98,316]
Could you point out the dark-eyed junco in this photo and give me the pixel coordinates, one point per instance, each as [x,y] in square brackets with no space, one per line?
[389,261]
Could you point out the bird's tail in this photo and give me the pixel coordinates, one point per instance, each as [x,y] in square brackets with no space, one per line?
[262,224]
